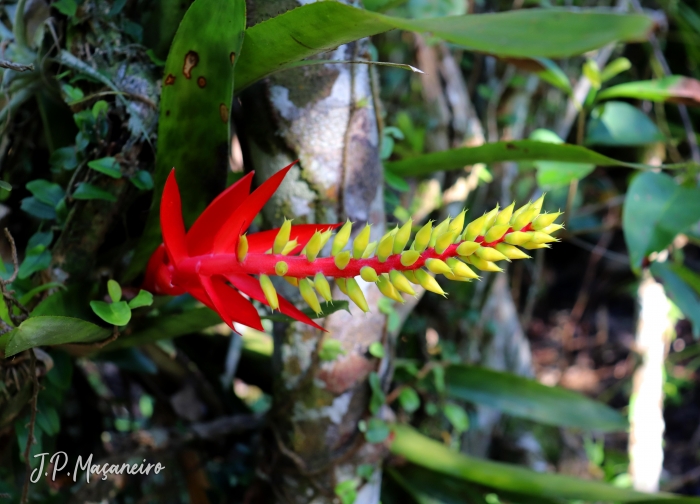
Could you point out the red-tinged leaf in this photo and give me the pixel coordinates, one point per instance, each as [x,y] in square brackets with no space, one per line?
[238,222]
[302,233]
[251,287]
[171,221]
[200,237]
[229,304]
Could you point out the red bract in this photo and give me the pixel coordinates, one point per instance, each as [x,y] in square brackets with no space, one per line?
[217,231]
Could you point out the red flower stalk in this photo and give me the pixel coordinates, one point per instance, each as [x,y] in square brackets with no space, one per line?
[215,259]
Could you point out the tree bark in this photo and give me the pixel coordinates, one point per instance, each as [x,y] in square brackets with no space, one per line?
[325,117]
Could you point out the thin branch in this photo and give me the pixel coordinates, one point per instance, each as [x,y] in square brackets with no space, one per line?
[30,434]
[17,67]
[15,261]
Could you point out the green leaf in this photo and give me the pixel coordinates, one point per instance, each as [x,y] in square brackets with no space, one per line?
[106,165]
[613,68]
[330,350]
[114,290]
[67,7]
[377,431]
[409,399]
[40,331]
[46,192]
[378,398]
[674,88]
[552,174]
[496,152]
[86,191]
[142,180]
[41,288]
[457,416]
[47,419]
[143,298]
[64,158]
[376,349]
[306,31]
[33,263]
[118,314]
[347,491]
[592,73]
[433,455]
[37,209]
[193,129]
[683,295]
[619,123]
[553,74]
[100,108]
[656,209]
[525,398]
[5,186]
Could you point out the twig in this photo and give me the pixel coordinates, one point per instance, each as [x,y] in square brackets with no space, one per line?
[15,261]
[17,67]
[30,434]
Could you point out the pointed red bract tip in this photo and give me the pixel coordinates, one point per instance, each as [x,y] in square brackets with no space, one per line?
[171,223]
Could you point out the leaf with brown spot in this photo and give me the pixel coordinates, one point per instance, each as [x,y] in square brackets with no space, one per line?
[191,60]
[674,89]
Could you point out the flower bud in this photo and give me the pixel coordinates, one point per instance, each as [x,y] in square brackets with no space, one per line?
[289,247]
[411,277]
[534,246]
[323,287]
[520,210]
[368,274]
[525,218]
[269,291]
[401,283]
[460,269]
[282,237]
[496,233]
[467,248]
[325,236]
[490,218]
[342,259]
[438,231]
[307,292]
[455,278]
[292,281]
[437,266]
[386,288]
[402,236]
[537,204]
[242,248]
[385,247]
[457,224]
[511,252]
[428,282]
[540,237]
[355,293]
[445,240]
[369,250]
[281,268]
[409,257]
[489,254]
[552,228]
[341,239]
[474,229]
[361,242]
[422,239]
[518,238]
[313,247]
[483,265]
[342,285]
[544,220]
[505,215]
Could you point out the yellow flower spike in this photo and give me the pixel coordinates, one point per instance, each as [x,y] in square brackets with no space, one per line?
[525,218]
[282,237]
[292,281]
[269,291]
[313,247]
[484,265]
[457,225]
[534,246]
[539,237]
[402,236]
[496,232]
[544,220]
[437,266]
[342,285]
[289,247]
[323,287]
[538,203]
[281,268]
[491,218]
[411,277]
[401,282]
[242,248]
[385,247]
[325,236]
[369,250]
[552,228]
[445,240]
[422,239]
[341,239]
[342,259]
[518,238]
[428,282]
[511,252]
[385,287]
[490,254]
[306,289]
[505,215]
[355,293]
[455,278]
[460,269]
[409,257]
[467,248]
[438,231]
[520,210]
[368,274]
[474,229]
[361,242]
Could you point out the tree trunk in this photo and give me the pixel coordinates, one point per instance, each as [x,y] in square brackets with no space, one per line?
[325,117]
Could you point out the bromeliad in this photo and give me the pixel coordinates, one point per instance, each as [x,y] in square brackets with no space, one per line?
[215,261]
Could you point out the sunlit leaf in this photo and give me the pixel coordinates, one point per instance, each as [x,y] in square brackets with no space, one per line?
[39,331]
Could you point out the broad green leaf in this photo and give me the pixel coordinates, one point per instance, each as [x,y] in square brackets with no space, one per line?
[6,186]
[143,298]
[688,276]
[552,174]
[554,75]
[118,313]
[46,192]
[426,452]
[71,302]
[409,399]
[376,349]
[33,263]
[674,88]
[67,7]
[193,129]
[86,191]
[41,288]
[496,152]
[457,416]
[525,398]
[37,209]
[142,180]
[619,123]
[114,290]
[656,209]
[684,296]
[106,165]
[39,331]
[64,158]
[321,26]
